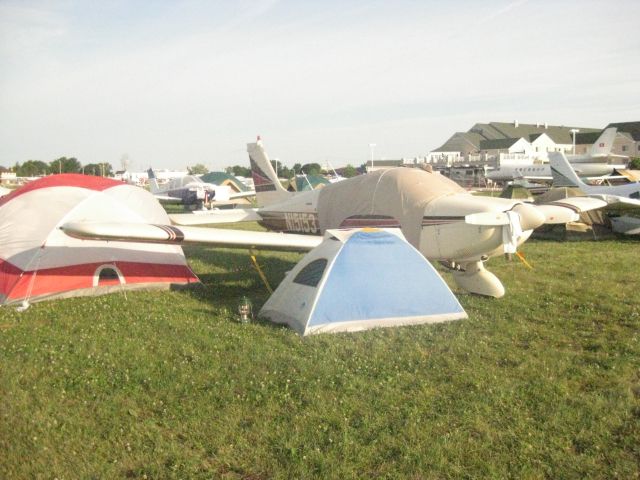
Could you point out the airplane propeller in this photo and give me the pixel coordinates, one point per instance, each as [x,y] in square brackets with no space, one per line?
[519,219]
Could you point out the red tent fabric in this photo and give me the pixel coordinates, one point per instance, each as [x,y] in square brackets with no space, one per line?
[38,261]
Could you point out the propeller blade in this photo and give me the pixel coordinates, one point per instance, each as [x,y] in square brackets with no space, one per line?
[511,232]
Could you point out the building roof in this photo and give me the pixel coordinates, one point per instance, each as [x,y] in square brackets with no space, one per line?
[628,127]
[498,144]
[559,134]
[588,138]
[462,142]
[470,141]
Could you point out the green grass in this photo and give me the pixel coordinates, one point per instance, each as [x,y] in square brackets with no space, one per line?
[543,383]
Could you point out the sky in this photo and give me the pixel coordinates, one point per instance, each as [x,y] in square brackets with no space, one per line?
[172,84]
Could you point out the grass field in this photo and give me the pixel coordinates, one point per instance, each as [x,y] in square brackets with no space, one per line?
[543,383]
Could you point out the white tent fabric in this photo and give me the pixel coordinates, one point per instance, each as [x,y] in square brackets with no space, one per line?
[362,279]
[38,261]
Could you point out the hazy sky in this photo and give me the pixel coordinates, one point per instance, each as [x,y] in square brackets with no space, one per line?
[171,84]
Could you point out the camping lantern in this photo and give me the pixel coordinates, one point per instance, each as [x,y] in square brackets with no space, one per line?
[245,310]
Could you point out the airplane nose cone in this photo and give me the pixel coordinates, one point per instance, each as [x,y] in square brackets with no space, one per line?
[530,216]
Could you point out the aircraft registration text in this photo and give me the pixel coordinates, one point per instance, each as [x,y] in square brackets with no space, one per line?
[301,222]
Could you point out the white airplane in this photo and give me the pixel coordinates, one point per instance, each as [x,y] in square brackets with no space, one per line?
[601,150]
[565,176]
[542,171]
[622,199]
[591,165]
[192,192]
[437,216]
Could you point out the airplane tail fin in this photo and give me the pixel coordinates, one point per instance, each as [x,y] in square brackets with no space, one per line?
[153,181]
[604,144]
[563,174]
[267,186]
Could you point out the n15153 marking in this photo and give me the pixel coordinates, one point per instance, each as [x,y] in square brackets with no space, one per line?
[301,222]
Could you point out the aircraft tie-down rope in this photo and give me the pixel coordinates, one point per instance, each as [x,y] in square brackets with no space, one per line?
[252,255]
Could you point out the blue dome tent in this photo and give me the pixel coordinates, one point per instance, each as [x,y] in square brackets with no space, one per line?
[356,280]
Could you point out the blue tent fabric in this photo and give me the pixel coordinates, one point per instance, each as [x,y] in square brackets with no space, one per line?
[361,279]
[378,275]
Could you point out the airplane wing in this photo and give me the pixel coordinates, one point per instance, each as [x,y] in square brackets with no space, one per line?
[169,234]
[569,209]
[231,215]
[558,211]
[167,198]
[537,177]
[616,201]
[250,193]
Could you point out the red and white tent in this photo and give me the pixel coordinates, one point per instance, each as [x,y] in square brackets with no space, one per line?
[38,261]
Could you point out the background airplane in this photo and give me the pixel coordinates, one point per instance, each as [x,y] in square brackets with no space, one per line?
[565,176]
[193,193]
[437,216]
[601,149]
[541,172]
[591,165]
[623,201]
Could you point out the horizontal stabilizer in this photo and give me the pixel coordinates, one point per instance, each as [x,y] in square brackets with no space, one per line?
[167,199]
[169,234]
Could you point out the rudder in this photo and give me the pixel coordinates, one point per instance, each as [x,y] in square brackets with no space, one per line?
[266,184]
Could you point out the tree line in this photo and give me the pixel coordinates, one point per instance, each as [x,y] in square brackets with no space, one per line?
[298,169]
[35,168]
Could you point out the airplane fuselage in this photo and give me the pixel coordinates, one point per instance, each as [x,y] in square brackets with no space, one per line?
[436,236]
[542,172]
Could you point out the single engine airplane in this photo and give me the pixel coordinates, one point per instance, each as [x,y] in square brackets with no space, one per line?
[192,192]
[437,216]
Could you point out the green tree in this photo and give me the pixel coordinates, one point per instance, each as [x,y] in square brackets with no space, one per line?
[286,172]
[238,171]
[311,169]
[297,168]
[98,169]
[198,169]
[349,171]
[282,170]
[65,165]
[32,168]
[634,164]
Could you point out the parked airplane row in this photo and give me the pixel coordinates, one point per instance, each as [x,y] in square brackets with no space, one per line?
[192,192]
[437,217]
[595,164]
[623,198]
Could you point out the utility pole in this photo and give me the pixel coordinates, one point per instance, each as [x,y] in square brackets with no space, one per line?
[371,147]
[574,131]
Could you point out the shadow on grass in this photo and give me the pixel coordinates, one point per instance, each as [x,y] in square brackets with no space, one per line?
[230,275]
